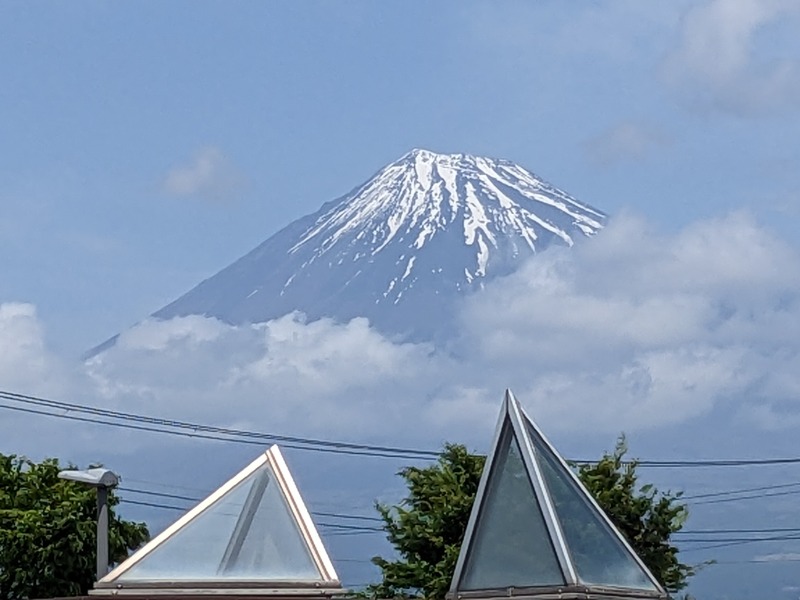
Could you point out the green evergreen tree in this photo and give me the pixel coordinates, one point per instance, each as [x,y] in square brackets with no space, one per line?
[48,531]
[426,529]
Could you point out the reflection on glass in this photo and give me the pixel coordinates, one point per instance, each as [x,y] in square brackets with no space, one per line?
[599,556]
[248,534]
[510,545]
[272,546]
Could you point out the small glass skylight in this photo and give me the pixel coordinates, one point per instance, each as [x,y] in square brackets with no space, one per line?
[255,529]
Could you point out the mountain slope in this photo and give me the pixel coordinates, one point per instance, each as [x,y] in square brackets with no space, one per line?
[398,249]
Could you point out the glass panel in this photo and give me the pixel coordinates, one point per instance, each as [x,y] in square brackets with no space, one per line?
[273,546]
[249,533]
[599,556]
[510,545]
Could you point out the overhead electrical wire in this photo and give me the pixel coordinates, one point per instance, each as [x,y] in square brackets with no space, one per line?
[709,537]
[340,529]
[722,531]
[335,526]
[146,423]
[348,516]
[756,561]
[741,542]
[196,430]
[751,497]
[788,533]
[195,499]
[740,491]
[745,540]
[135,422]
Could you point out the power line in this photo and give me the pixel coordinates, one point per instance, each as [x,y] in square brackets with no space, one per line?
[124,425]
[740,491]
[718,542]
[379,520]
[160,494]
[734,462]
[334,526]
[353,560]
[344,516]
[210,432]
[153,504]
[756,561]
[349,533]
[752,497]
[201,431]
[194,499]
[739,542]
[350,527]
[783,538]
[718,531]
[206,492]
[145,423]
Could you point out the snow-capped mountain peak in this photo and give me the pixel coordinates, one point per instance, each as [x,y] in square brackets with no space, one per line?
[423,194]
[398,248]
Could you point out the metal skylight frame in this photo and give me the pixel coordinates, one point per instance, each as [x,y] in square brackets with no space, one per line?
[328,583]
[513,416]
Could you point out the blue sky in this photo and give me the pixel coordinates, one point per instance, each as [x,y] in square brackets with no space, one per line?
[144,146]
[301,102]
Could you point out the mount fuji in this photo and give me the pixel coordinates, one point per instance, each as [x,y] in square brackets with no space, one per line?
[399,248]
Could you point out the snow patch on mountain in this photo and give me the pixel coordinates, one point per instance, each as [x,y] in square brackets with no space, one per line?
[424,194]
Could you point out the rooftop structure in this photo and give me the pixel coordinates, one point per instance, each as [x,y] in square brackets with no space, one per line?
[252,537]
[536,532]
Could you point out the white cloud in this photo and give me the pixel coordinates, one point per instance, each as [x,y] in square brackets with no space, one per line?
[627,141]
[722,60]
[635,330]
[209,175]
[629,331]
[312,377]
[25,361]
[27,366]
[779,557]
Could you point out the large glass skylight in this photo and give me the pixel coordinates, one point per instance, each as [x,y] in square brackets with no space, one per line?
[534,525]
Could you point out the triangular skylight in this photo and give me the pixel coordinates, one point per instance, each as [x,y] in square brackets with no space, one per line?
[534,527]
[253,529]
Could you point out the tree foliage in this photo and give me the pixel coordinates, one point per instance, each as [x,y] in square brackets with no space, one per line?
[427,527]
[48,531]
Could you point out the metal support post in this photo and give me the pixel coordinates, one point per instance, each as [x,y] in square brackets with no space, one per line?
[102,532]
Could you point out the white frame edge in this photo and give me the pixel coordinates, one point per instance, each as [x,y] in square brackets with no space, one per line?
[541,491]
[301,515]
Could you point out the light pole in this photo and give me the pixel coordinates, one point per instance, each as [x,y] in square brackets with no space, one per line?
[102,480]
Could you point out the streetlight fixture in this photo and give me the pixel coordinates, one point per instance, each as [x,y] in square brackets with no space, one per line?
[102,480]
